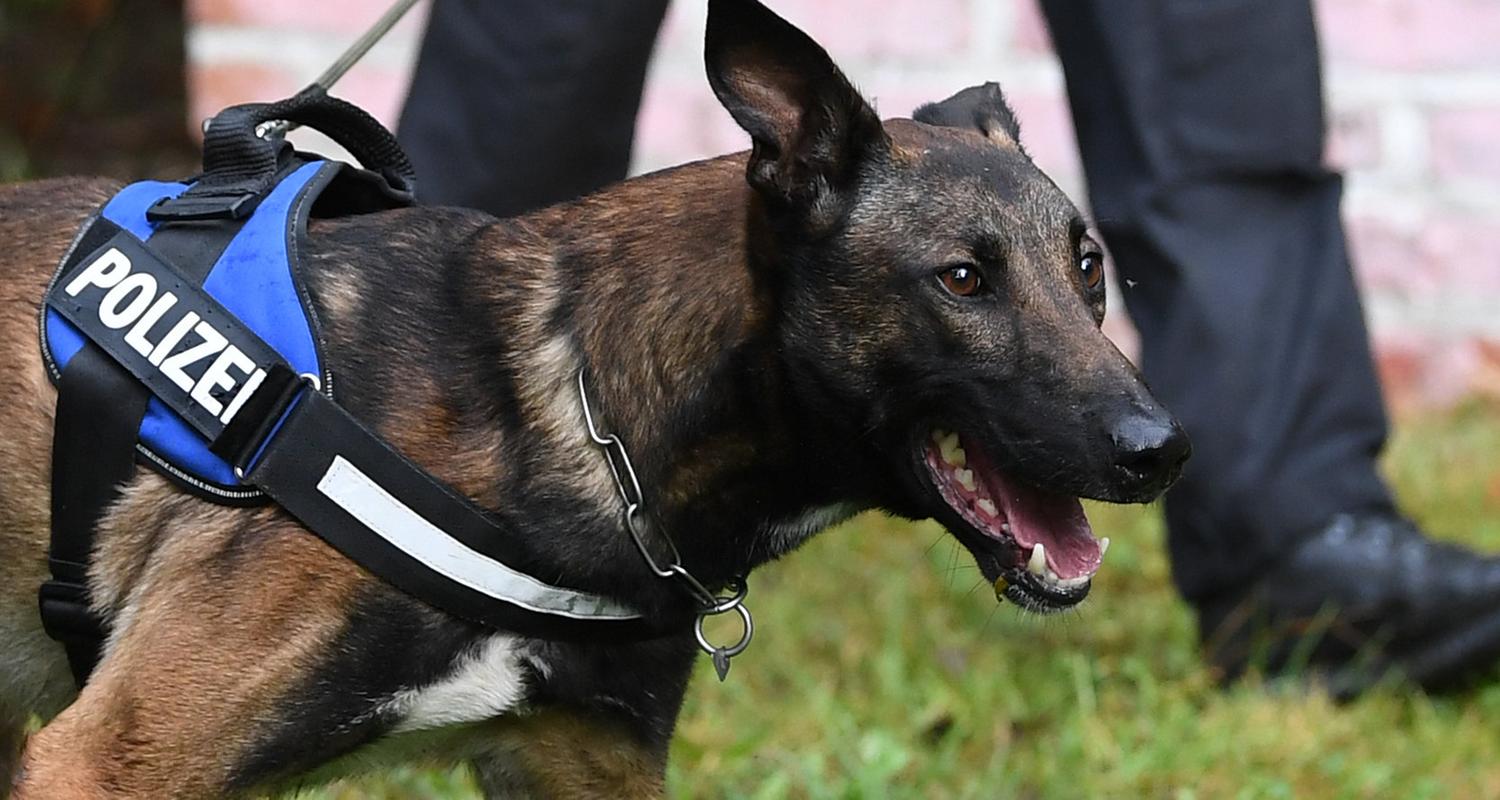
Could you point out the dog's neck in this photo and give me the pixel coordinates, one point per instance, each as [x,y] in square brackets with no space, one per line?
[656,287]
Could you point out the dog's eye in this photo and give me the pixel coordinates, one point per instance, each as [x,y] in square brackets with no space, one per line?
[1092,266]
[961,279]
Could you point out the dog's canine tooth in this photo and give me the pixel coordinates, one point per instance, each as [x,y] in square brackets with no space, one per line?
[949,442]
[1103,547]
[1038,563]
[948,447]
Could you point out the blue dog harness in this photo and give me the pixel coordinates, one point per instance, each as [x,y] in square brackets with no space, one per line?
[179,336]
[253,280]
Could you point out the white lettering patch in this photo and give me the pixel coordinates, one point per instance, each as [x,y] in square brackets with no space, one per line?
[193,353]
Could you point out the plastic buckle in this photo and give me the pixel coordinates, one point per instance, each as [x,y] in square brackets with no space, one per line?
[65,612]
[248,434]
[209,204]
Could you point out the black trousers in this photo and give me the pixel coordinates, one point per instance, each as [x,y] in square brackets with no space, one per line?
[1201,128]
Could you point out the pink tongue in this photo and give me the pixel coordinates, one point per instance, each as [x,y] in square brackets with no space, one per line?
[1055,521]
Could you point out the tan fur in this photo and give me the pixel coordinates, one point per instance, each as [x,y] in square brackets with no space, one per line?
[199,652]
[555,754]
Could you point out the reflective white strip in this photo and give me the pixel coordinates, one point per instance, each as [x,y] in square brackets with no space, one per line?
[410,533]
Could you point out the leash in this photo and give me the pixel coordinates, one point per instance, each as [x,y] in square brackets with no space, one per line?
[347,59]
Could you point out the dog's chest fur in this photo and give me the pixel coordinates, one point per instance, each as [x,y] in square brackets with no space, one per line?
[486,682]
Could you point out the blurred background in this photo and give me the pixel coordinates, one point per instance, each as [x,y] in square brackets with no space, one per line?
[119,87]
[882,665]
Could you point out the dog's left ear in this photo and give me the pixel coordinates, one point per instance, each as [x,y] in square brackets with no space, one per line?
[809,126]
[980,107]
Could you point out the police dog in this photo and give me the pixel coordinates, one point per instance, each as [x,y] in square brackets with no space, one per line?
[855,314]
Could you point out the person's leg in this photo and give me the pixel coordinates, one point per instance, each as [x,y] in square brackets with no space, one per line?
[1202,133]
[1201,129]
[517,104]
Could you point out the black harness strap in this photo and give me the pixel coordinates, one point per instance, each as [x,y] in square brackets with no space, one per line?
[99,410]
[370,503]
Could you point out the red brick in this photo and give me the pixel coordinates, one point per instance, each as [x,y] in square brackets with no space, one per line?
[1460,252]
[902,30]
[1486,380]
[343,16]
[1400,363]
[1464,143]
[211,88]
[1353,140]
[1029,31]
[1389,261]
[682,29]
[682,121]
[1420,371]
[1411,33]
[380,91]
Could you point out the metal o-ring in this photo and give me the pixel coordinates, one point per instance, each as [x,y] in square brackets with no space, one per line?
[738,647]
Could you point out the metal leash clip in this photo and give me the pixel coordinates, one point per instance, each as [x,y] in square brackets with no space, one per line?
[709,604]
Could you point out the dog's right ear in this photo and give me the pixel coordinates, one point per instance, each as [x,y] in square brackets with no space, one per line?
[982,108]
[809,126]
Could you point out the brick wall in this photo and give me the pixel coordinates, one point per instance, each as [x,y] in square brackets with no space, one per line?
[1413,86]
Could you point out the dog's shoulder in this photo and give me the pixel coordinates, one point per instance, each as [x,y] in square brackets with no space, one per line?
[76,195]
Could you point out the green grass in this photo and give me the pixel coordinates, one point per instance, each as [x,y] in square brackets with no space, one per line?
[883,667]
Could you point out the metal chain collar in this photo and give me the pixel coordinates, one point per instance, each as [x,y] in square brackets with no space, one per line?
[709,604]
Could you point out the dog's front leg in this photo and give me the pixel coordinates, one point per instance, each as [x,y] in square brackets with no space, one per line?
[12,736]
[567,755]
[204,690]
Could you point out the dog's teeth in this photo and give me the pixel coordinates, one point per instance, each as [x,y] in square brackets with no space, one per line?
[1073,583]
[987,506]
[948,447]
[965,478]
[1038,563]
[1050,575]
[947,444]
[1103,547]
[1005,528]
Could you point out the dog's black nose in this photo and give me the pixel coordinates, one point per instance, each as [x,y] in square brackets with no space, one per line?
[1149,451]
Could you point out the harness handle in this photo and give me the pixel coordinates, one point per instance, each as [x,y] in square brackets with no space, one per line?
[241,164]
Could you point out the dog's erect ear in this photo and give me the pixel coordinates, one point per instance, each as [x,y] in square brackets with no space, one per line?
[981,107]
[809,126]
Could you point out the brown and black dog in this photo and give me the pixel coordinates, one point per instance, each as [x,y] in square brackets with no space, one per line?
[900,316]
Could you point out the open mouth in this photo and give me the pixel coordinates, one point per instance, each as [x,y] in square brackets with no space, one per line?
[1038,542]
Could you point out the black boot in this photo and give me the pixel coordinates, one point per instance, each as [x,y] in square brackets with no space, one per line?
[1366,597]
